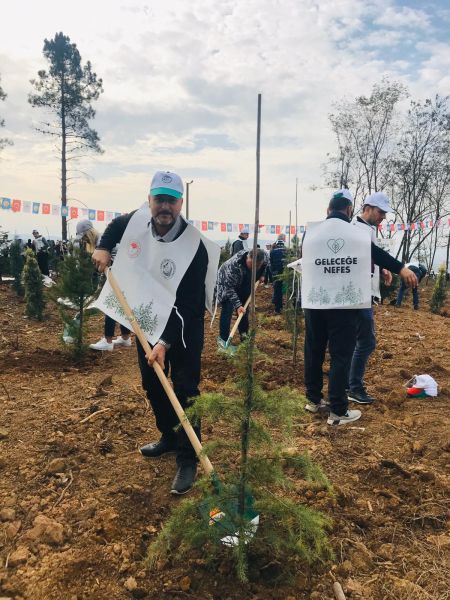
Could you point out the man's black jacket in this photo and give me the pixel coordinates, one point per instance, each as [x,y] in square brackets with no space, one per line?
[190,297]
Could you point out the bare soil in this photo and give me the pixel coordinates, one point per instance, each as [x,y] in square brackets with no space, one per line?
[79,505]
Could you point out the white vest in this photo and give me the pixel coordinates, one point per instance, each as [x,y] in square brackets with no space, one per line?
[149,273]
[336,266]
[376,271]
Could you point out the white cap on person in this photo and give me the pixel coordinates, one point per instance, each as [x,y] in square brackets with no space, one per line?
[167,183]
[343,193]
[379,200]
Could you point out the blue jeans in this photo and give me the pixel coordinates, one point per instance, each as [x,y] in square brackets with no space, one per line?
[401,292]
[225,321]
[365,345]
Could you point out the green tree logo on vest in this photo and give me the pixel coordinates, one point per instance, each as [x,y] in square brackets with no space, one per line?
[143,313]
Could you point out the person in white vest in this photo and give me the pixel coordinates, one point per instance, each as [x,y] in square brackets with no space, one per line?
[241,242]
[336,283]
[167,271]
[374,210]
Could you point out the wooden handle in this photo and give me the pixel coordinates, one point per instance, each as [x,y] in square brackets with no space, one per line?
[238,320]
[206,463]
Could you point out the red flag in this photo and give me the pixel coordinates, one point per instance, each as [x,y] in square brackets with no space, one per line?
[223,227]
[392,227]
[100,215]
[204,225]
[16,205]
[46,209]
[412,226]
[241,226]
[422,225]
[292,229]
[74,212]
[402,227]
[277,228]
[380,227]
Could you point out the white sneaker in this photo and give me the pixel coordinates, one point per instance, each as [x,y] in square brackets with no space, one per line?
[68,339]
[102,345]
[349,417]
[313,408]
[119,341]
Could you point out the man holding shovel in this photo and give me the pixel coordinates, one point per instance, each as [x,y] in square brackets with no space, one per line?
[166,270]
[233,289]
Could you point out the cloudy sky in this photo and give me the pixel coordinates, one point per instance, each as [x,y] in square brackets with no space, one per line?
[181,81]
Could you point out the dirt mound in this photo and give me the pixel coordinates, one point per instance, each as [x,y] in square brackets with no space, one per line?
[79,505]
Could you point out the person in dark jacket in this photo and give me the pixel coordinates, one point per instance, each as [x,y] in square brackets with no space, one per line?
[420,271]
[180,345]
[337,329]
[241,242]
[233,289]
[277,263]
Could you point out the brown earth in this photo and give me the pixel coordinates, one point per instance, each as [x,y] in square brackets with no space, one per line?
[79,505]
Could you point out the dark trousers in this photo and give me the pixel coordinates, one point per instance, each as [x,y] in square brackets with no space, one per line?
[365,345]
[225,321]
[110,327]
[268,277]
[42,260]
[337,328]
[184,365]
[277,296]
[401,292]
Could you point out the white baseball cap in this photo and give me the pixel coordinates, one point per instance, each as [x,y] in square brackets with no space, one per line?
[343,193]
[379,200]
[245,230]
[165,182]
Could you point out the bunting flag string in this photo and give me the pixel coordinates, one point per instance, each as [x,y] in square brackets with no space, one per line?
[73,212]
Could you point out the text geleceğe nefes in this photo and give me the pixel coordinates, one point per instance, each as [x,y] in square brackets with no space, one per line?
[336,265]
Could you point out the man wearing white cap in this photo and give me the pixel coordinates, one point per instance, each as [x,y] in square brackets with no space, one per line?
[373,212]
[241,242]
[336,261]
[167,270]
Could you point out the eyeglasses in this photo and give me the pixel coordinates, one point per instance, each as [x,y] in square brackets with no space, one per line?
[165,198]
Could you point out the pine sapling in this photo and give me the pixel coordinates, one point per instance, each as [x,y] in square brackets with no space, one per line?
[76,284]
[439,291]
[34,287]
[16,266]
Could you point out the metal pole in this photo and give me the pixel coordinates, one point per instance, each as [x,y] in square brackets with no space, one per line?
[289,232]
[188,183]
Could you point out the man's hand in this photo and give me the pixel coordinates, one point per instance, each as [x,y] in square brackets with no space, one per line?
[101,259]
[240,311]
[409,277]
[387,276]
[158,354]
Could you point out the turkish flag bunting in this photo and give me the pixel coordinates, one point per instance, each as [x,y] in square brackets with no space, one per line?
[204,225]
[16,205]
[74,212]
[100,215]
[223,227]
[46,209]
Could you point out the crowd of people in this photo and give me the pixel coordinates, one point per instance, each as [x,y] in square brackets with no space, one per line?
[157,242]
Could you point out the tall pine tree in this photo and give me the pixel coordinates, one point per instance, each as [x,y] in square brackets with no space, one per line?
[67,91]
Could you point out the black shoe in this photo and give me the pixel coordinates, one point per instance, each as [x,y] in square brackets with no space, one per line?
[184,479]
[416,307]
[164,446]
[360,397]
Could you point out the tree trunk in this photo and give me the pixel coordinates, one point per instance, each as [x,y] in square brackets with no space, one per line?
[448,254]
[63,161]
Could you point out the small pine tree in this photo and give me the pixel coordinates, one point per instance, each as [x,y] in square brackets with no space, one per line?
[225,252]
[16,266]
[439,292]
[34,288]
[77,283]
[289,531]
